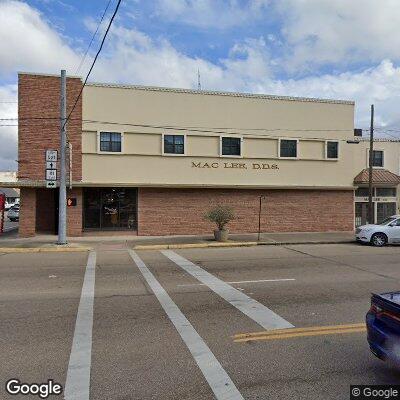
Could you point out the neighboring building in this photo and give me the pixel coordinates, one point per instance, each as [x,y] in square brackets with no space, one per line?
[12,195]
[385,178]
[152,161]
[8,176]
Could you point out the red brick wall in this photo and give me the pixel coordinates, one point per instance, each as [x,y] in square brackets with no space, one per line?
[39,97]
[74,214]
[27,213]
[45,210]
[180,211]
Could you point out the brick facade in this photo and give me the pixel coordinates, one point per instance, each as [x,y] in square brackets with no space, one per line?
[27,212]
[181,211]
[38,98]
[74,214]
[39,130]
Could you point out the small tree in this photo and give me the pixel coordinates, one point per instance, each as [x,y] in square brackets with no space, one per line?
[220,215]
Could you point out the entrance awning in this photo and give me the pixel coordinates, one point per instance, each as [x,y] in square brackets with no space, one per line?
[379,176]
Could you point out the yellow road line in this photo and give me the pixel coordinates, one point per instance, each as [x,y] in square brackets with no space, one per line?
[300,332]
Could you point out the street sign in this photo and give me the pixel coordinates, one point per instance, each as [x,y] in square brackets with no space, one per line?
[51,174]
[51,184]
[51,165]
[51,155]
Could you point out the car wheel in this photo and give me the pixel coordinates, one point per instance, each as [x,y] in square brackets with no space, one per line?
[379,239]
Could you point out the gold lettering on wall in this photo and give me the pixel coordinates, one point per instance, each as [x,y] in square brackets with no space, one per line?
[235,165]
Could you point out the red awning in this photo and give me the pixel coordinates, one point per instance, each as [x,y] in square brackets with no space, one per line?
[379,176]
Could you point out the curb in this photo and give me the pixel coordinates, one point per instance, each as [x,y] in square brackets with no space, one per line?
[9,250]
[231,244]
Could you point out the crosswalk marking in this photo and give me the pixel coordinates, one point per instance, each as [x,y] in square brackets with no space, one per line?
[219,381]
[248,306]
[77,386]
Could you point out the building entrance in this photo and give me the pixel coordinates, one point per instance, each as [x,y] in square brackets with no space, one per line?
[110,209]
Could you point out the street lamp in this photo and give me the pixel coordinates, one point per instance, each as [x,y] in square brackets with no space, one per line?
[259,217]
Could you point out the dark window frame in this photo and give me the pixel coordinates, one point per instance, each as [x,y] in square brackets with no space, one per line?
[374,160]
[175,146]
[110,144]
[230,147]
[328,143]
[283,141]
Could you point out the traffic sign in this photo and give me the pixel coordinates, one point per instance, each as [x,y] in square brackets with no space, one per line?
[51,184]
[51,165]
[51,155]
[51,174]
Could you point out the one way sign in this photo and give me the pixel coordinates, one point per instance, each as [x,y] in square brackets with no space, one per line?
[50,165]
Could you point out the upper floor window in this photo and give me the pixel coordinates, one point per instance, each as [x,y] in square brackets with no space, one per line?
[288,148]
[332,150]
[230,146]
[174,144]
[110,141]
[377,158]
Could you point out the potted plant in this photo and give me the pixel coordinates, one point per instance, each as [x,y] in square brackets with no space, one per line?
[220,215]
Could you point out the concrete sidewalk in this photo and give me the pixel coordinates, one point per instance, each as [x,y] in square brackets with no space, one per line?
[163,242]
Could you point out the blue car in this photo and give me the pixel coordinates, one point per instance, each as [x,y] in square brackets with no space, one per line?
[383,326]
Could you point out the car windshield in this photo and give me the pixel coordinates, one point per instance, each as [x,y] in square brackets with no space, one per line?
[387,221]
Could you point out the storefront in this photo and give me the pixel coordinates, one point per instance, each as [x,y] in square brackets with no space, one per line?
[153,161]
[110,209]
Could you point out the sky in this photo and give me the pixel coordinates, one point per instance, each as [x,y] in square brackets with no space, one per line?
[336,49]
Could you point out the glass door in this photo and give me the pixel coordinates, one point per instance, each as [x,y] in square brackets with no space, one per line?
[110,208]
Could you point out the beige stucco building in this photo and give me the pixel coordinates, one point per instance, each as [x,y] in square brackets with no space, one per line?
[152,160]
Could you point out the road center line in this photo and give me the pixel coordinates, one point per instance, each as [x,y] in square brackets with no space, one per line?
[248,306]
[219,381]
[237,282]
[77,386]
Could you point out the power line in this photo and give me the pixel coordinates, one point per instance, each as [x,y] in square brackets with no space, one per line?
[187,127]
[94,61]
[94,35]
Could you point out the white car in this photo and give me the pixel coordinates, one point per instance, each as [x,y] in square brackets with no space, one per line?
[387,232]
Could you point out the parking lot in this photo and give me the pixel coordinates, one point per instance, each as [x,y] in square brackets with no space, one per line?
[231,323]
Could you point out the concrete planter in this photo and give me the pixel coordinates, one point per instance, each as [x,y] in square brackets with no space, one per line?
[221,235]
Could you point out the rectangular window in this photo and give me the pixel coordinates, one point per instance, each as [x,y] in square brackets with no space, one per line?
[377,158]
[110,141]
[288,148]
[231,146]
[362,192]
[174,144]
[332,150]
[386,192]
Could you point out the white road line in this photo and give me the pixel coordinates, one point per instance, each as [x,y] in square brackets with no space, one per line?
[231,282]
[219,381]
[248,306]
[77,385]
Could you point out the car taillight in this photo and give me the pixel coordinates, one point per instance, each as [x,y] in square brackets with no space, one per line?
[375,309]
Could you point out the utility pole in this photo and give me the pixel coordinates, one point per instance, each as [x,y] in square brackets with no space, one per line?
[62,203]
[371,213]
[259,217]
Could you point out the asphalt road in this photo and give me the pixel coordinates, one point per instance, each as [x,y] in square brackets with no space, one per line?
[168,325]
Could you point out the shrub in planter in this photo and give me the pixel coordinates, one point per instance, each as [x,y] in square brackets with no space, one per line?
[220,215]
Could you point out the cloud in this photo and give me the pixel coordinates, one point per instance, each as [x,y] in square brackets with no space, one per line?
[339,31]
[219,14]
[28,41]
